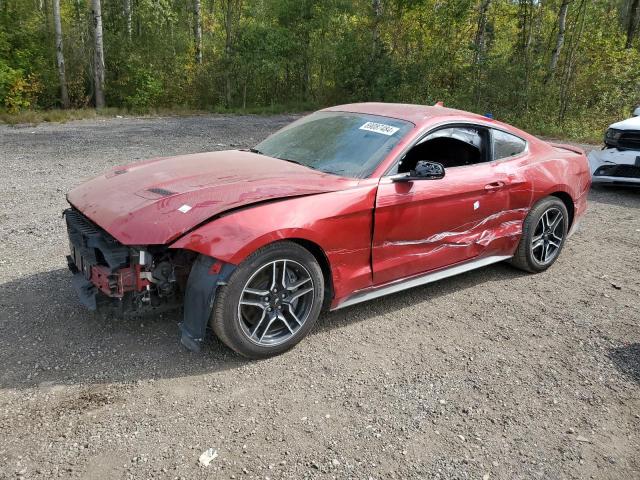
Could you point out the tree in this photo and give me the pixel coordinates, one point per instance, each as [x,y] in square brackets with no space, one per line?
[127,17]
[232,8]
[481,30]
[546,65]
[480,48]
[376,6]
[570,64]
[98,54]
[562,25]
[64,96]
[632,22]
[197,29]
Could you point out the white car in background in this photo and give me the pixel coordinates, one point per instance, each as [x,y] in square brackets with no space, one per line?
[619,161]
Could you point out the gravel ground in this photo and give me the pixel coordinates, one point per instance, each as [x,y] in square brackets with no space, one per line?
[493,374]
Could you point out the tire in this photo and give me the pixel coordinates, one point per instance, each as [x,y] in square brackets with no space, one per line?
[535,229]
[271,318]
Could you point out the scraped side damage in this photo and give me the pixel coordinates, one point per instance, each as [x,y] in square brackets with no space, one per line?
[499,225]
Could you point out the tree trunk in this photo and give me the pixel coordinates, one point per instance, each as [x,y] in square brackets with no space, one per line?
[244,95]
[525,20]
[537,26]
[45,10]
[228,28]
[633,24]
[569,69]
[479,49]
[98,54]
[526,38]
[197,29]
[562,25]
[64,96]
[78,9]
[127,17]
[376,6]
[479,42]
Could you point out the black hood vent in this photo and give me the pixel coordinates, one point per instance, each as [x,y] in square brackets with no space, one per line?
[161,191]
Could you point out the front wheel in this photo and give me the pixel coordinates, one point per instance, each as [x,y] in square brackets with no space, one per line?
[543,235]
[271,301]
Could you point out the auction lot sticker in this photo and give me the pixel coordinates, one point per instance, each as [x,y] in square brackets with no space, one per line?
[379,128]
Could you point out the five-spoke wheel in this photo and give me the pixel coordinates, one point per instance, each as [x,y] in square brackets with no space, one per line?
[270,302]
[543,234]
[548,236]
[275,302]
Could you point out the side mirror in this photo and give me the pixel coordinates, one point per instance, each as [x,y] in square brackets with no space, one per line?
[424,170]
[636,112]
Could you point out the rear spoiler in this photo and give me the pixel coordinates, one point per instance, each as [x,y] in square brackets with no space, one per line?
[570,148]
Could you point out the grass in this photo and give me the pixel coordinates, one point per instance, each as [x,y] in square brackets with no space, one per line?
[34,117]
[579,129]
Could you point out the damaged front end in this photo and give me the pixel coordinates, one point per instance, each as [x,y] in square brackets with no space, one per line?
[121,279]
[113,278]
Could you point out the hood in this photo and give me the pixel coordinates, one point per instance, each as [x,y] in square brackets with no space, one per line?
[632,123]
[157,201]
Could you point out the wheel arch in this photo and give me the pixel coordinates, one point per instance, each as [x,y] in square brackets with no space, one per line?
[321,257]
[303,238]
[568,202]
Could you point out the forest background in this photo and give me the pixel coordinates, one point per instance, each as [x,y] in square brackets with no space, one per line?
[565,68]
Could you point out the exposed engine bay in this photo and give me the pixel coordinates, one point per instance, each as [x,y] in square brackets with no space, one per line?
[121,279]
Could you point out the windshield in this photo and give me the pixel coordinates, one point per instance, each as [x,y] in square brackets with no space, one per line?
[346,144]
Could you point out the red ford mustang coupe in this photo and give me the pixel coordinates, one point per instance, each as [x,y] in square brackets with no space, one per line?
[344,205]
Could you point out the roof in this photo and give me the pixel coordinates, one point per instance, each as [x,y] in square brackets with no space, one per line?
[416,114]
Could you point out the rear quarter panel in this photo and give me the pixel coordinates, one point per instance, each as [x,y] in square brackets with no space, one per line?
[340,223]
[559,168]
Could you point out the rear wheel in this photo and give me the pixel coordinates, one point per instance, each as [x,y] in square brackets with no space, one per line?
[543,235]
[271,301]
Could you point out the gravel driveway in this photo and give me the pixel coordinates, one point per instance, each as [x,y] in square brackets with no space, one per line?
[493,374]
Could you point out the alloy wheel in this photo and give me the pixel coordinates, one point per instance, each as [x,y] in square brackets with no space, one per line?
[275,302]
[548,236]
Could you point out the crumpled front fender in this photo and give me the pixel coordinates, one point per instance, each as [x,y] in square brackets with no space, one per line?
[338,223]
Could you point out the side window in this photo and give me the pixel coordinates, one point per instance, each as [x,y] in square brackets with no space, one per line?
[450,146]
[506,145]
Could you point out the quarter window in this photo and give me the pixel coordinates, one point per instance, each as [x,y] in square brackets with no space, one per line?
[506,145]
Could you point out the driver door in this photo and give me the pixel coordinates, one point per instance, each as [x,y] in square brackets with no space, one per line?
[425,225]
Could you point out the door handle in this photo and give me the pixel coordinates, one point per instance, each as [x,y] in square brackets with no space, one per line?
[492,187]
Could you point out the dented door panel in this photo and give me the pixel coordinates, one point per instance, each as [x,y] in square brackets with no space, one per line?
[429,224]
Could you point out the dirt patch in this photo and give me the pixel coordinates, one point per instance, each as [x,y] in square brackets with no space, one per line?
[89,400]
[492,373]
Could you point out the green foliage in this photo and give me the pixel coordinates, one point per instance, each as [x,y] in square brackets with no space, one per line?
[17,91]
[268,55]
[135,87]
[146,91]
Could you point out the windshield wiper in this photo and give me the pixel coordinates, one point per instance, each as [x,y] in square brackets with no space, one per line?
[255,150]
[294,161]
